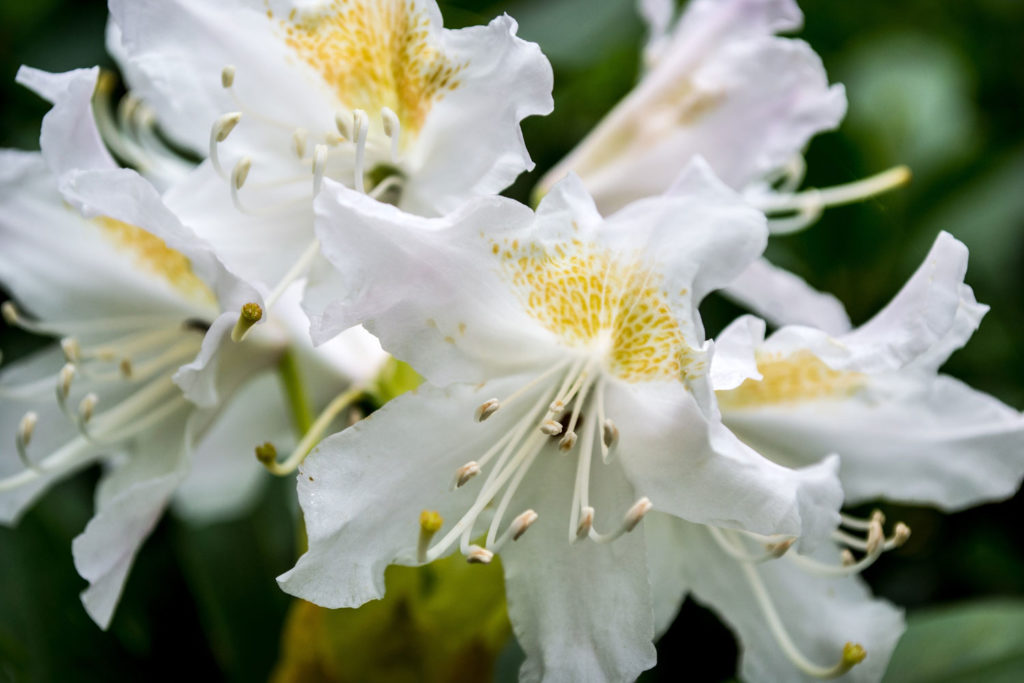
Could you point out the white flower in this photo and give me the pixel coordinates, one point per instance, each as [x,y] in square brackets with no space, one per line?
[903,433]
[874,395]
[138,381]
[567,396]
[720,84]
[279,95]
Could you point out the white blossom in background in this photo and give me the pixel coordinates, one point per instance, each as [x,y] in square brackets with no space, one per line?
[720,84]
[279,95]
[903,433]
[140,380]
[567,395]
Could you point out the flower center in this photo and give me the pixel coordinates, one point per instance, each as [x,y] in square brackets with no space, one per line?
[374,55]
[153,255]
[800,376]
[603,301]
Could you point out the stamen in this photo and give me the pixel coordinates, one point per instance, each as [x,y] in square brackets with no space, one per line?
[87,407]
[309,439]
[729,540]
[10,314]
[551,427]
[219,132]
[319,167]
[71,348]
[567,442]
[487,408]
[227,76]
[465,473]
[629,522]
[393,129]
[430,523]
[521,523]
[846,557]
[341,121]
[64,379]
[250,315]
[851,655]
[360,126]
[586,523]
[240,172]
[23,437]
[478,555]
[126,368]
[299,142]
[610,433]
[810,203]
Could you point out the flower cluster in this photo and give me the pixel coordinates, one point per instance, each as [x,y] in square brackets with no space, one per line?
[292,189]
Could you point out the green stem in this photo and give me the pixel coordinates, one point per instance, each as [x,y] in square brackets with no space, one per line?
[295,393]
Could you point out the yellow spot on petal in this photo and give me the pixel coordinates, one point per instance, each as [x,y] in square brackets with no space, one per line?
[792,378]
[153,255]
[375,54]
[591,297]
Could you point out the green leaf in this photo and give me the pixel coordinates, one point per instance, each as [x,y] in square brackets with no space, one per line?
[979,643]
[443,622]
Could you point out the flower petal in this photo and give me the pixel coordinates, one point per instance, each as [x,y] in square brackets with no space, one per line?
[582,612]
[820,614]
[782,298]
[701,472]
[225,477]
[666,564]
[733,361]
[930,441]
[428,317]
[362,490]
[130,501]
[471,144]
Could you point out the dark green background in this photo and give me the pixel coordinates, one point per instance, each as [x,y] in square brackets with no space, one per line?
[936,85]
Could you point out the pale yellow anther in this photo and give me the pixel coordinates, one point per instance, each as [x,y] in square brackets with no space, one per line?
[67,375]
[610,433]
[389,120]
[241,172]
[9,312]
[343,123]
[876,537]
[225,124]
[551,427]
[87,407]
[846,557]
[227,76]
[567,442]
[478,555]
[900,534]
[250,315]
[299,142]
[586,523]
[466,472]
[126,367]
[487,408]
[27,427]
[71,349]
[521,523]
[636,513]
[781,547]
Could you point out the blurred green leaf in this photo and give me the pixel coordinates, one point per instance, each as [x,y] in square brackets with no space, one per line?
[445,622]
[395,378]
[980,643]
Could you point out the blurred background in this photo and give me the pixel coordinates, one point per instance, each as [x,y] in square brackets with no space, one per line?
[937,86]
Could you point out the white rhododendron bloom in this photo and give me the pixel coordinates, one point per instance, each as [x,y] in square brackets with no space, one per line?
[720,84]
[567,394]
[874,396]
[140,380]
[279,95]
[903,433]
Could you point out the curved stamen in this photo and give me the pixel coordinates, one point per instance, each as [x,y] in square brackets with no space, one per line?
[219,132]
[852,654]
[632,517]
[311,437]
[23,437]
[393,129]
[734,547]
